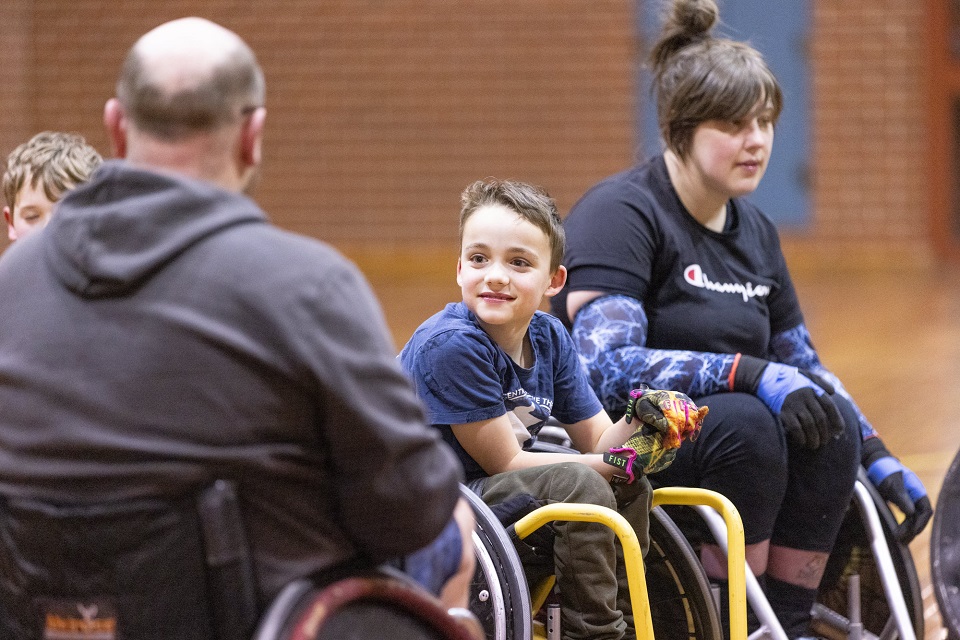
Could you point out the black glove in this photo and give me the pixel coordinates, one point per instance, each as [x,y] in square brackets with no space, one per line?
[898,485]
[800,399]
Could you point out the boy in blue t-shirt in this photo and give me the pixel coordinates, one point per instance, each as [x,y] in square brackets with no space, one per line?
[493,368]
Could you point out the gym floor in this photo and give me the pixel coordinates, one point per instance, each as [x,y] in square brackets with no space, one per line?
[892,336]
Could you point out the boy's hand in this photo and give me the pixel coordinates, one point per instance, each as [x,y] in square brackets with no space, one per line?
[667,417]
[671,413]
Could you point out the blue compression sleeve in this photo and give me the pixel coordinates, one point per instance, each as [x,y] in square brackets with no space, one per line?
[610,334]
[795,347]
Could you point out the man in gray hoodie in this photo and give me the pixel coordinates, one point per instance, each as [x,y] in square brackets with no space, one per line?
[160,334]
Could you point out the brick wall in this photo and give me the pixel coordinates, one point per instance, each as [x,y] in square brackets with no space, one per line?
[868,114]
[15,101]
[380,111]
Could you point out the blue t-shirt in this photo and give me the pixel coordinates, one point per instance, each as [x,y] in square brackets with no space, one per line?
[463,376]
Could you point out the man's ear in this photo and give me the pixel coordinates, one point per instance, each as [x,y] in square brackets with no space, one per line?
[8,216]
[115,122]
[557,280]
[459,266]
[251,142]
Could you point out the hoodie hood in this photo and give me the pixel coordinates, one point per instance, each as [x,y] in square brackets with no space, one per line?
[112,233]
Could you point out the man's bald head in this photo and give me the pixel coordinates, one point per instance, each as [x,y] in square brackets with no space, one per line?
[189,76]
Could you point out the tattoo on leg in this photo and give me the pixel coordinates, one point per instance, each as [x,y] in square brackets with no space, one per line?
[813,570]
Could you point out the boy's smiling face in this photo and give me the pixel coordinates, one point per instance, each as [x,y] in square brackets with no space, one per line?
[504,269]
[30,213]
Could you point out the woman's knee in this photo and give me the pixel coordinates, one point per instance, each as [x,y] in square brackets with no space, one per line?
[820,488]
[741,454]
[740,432]
[847,444]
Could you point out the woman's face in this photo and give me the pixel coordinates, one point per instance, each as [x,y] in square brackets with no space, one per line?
[730,158]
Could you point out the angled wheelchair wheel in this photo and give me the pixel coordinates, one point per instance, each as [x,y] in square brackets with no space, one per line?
[852,555]
[681,603]
[378,604]
[499,595]
[945,550]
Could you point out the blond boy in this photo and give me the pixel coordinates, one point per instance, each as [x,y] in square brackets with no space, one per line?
[39,172]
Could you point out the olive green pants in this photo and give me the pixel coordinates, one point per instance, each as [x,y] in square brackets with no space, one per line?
[591,578]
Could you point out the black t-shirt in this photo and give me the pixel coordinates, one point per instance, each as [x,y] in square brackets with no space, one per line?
[724,292]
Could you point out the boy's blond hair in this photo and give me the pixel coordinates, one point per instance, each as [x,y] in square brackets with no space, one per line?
[55,160]
[530,202]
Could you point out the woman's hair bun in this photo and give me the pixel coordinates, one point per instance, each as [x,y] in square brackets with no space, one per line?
[692,18]
[687,21]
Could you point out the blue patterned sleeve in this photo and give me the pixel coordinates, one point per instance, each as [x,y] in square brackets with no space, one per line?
[611,335]
[795,347]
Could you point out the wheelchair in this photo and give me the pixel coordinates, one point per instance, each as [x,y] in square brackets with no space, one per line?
[868,560]
[671,595]
[870,588]
[181,568]
[945,550]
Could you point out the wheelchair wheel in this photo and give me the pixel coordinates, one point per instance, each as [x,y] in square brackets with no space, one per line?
[681,602]
[499,595]
[945,550]
[852,555]
[375,603]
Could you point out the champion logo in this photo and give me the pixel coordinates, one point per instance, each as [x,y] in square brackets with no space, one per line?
[694,275]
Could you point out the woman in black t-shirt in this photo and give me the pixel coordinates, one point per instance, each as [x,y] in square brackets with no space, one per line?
[678,282]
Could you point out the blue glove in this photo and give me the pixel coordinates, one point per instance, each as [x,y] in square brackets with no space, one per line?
[800,399]
[900,486]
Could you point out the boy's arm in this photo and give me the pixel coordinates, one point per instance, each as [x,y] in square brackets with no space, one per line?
[494,446]
[599,433]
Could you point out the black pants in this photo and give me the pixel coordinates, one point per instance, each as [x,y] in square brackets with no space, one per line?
[792,496]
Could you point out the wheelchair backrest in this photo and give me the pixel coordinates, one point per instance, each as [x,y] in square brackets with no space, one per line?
[135,569]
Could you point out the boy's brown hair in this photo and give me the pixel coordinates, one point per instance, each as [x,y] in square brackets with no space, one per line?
[55,160]
[530,202]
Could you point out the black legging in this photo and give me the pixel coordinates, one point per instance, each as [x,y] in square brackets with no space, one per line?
[794,496]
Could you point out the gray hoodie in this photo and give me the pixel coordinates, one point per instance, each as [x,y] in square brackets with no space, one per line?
[160,333]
